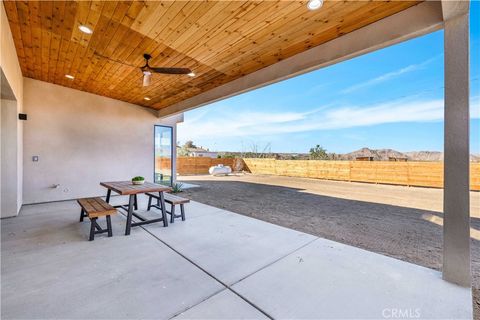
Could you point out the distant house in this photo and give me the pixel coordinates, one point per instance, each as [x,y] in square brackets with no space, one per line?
[364,158]
[197,152]
[366,154]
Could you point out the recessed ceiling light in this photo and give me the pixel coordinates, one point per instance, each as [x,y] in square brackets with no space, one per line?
[69,76]
[314,4]
[85,29]
[147,98]
[191,74]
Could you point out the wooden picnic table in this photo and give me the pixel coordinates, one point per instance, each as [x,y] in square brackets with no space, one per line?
[130,189]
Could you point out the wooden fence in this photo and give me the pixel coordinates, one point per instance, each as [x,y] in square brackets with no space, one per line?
[198,165]
[423,174]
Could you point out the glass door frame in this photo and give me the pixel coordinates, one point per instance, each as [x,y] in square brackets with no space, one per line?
[172,162]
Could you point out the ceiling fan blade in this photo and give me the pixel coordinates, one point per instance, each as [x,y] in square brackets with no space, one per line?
[171,70]
[146,79]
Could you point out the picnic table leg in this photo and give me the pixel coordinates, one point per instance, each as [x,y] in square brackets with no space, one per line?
[136,203]
[182,210]
[149,203]
[172,214]
[164,209]
[131,200]
[109,226]
[82,214]
[92,229]
[109,192]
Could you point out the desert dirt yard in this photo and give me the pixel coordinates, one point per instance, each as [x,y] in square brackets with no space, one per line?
[397,221]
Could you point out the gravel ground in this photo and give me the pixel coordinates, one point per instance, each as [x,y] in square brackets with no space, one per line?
[401,222]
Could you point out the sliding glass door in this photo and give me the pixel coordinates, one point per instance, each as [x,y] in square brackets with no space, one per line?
[163,154]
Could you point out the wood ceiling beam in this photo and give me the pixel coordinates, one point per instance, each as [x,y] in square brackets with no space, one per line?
[413,22]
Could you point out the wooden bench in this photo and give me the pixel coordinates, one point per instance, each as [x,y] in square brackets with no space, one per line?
[171,199]
[94,208]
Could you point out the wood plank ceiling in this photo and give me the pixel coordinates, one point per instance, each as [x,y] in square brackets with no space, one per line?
[219,40]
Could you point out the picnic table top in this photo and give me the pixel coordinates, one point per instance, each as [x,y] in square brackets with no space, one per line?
[127,187]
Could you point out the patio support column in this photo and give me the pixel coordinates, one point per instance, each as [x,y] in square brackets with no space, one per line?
[456,202]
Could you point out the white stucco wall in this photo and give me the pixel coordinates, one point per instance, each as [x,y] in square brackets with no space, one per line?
[9,182]
[82,139]
[13,74]
[8,56]
[19,155]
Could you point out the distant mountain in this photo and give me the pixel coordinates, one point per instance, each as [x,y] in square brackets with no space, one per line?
[386,154]
[376,154]
[434,156]
[425,155]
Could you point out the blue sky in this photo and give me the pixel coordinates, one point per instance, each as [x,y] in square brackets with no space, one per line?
[392,98]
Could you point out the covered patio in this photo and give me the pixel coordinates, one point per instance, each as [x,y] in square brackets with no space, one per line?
[80,106]
[215,265]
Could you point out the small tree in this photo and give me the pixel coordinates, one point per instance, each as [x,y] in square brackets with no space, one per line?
[189,144]
[318,153]
[184,151]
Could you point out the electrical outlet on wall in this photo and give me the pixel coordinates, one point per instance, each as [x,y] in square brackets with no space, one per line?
[35,158]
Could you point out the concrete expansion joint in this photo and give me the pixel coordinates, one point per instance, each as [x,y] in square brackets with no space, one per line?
[226,286]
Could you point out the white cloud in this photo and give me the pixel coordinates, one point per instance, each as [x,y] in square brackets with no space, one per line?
[387,76]
[248,124]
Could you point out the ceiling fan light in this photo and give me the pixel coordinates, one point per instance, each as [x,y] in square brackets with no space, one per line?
[314,4]
[191,74]
[85,29]
[146,78]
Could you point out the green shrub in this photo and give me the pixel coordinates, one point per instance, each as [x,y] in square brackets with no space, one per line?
[177,187]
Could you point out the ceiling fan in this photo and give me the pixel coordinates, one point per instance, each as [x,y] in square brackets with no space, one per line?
[147,70]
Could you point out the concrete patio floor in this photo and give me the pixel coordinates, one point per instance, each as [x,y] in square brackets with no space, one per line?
[215,265]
